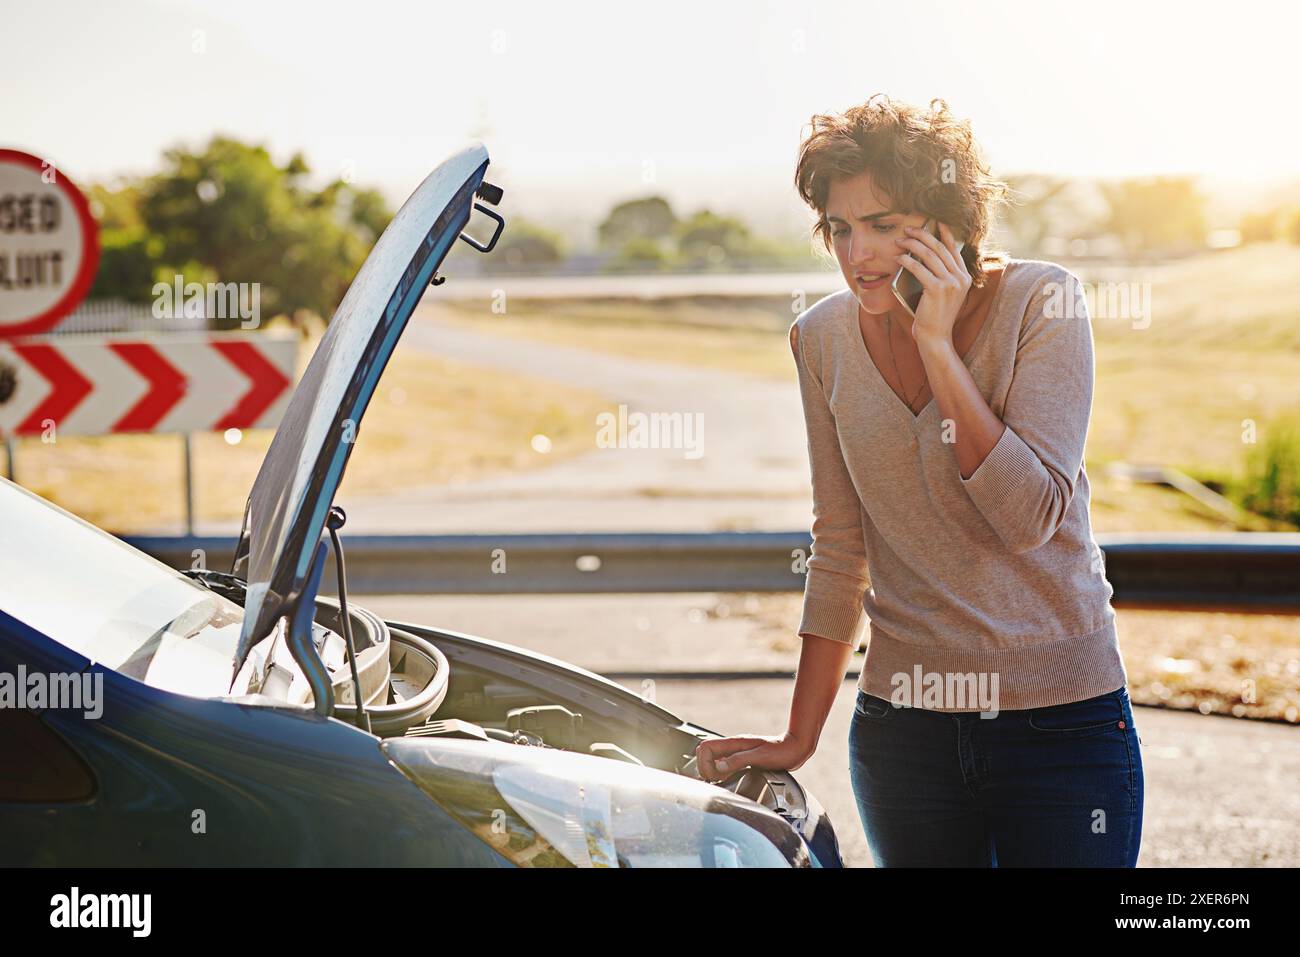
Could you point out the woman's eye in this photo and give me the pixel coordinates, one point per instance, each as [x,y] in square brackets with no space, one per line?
[878,227]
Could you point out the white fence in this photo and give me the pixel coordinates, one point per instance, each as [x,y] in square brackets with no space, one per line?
[108,315]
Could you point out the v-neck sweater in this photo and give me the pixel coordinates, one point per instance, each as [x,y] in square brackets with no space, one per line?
[992,578]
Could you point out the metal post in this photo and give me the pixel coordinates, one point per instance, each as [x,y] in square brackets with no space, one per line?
[189,485]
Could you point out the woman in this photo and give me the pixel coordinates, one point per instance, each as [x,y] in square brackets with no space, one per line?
[992,724]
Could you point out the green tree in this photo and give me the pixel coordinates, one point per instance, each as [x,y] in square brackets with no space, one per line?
[128,261]
[1259,227]
[1160,213]
[641,252]
[229,213]
[1040,206]
[525,243]
[650,218]
[128,252]
[116,207]
[708,240]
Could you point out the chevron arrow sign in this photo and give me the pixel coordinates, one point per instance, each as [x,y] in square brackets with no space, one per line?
[99,385]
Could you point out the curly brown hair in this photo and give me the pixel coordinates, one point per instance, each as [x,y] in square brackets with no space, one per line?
[926,161]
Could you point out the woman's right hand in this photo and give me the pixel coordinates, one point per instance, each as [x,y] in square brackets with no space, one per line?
[719,758]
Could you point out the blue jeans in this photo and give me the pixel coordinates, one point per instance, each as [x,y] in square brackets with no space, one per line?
[1042,787]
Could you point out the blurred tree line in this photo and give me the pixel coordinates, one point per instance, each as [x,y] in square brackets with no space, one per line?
[1046,215]
[229,213]
[1163,215]
[1280,223]
[1052,215]
[646,235]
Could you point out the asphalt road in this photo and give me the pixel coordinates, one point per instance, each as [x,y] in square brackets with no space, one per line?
[752,473]
[1220,792]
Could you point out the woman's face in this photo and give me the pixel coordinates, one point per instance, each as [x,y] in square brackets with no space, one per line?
[865,230]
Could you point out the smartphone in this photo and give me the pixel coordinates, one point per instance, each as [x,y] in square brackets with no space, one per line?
[907,288]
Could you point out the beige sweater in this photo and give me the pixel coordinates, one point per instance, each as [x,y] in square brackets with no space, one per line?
[995,578]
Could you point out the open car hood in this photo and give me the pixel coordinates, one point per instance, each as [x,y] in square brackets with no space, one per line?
[287,507]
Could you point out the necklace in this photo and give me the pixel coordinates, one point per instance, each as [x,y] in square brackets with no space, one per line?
[889,337]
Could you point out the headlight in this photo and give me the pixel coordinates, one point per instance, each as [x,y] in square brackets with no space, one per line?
[543,807]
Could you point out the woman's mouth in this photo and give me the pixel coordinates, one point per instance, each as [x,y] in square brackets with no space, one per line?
[871,280]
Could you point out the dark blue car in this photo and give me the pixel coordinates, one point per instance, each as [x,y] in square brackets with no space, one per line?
[152,716]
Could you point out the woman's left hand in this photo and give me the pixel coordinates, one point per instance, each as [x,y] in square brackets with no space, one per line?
[944,277]
[718,758]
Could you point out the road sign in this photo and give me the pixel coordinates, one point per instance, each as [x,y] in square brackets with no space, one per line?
[100,385]
[49,245]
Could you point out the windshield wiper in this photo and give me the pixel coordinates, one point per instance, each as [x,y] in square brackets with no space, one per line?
[225,584]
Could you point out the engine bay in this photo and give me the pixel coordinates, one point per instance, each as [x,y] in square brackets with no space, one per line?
[424,682]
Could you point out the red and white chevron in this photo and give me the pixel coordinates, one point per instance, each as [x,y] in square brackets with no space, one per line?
[98,385]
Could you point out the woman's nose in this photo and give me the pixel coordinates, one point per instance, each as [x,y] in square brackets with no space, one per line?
[861,253]
[865,252]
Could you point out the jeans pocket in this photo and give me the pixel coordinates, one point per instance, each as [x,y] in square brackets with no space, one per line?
[869,706]
[1081,718]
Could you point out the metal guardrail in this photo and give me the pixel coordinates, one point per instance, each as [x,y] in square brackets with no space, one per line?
[1226,571]
[1230,571]
[1173,478]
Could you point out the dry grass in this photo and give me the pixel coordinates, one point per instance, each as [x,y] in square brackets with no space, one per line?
[1216,663]
[1242,665]
[1222,346]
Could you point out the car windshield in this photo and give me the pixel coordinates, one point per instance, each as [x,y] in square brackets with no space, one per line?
[110,602]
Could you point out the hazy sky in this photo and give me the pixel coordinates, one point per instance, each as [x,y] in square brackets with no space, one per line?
[692,99]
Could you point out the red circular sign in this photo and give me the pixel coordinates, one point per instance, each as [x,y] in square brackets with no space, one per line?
[39,204]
